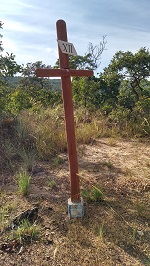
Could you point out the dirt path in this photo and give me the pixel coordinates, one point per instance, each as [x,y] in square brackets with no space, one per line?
[118,161]
[114,231]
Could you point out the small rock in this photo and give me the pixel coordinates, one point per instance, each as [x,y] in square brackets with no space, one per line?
[140,232]
[20,250]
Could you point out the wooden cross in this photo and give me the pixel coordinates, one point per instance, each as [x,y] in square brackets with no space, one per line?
[65,73]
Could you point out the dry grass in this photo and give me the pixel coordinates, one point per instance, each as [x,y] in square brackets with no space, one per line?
[40,134]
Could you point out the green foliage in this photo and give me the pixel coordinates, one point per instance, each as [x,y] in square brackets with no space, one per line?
[97,193]
[4,98]
[93,193]
[18,100]
[86,194]
[126,92]
[109,87]
[51,184]
[24,182]
[29,78]
[120,115]
[86,93]
[125,97]
[143,106]
[26,232]
[132,67]
[8,67]
[15,100]
[28,91]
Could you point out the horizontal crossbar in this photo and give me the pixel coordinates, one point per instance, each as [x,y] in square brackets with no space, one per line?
[54,72]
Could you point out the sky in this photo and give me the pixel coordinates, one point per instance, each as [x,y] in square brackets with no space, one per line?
[29,30]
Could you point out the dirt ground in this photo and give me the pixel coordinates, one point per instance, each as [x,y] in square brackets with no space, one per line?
[114,231]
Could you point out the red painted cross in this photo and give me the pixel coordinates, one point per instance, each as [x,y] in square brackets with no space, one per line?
[65,73]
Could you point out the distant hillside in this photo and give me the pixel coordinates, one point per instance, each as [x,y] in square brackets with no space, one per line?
[14,82]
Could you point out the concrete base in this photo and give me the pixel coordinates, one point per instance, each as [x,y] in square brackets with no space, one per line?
[75,209]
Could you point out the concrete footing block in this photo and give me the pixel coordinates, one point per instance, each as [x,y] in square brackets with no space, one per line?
[75,209]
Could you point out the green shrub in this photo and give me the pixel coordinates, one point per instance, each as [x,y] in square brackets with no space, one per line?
[93,193]
[26,232]
[24,183]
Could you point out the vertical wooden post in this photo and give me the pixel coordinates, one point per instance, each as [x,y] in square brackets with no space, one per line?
[69,115]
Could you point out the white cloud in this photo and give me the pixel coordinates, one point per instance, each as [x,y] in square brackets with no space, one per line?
[14,6]
[52,51]
[11,25]
[9,45]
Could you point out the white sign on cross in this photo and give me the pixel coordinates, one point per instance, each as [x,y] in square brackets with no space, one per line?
[67,47]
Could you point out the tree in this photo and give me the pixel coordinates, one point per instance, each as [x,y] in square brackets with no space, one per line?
[134,68]
[85,90]
[39,90]
[8,67]
[91,60]
[29,75]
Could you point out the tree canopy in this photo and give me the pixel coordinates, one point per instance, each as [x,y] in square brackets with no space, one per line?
[134,68]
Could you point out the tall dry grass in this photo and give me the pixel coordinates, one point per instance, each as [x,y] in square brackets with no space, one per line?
[40,134]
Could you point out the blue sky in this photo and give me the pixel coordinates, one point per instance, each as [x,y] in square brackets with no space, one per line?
[29,29]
